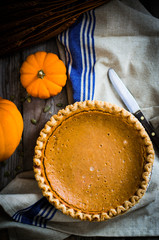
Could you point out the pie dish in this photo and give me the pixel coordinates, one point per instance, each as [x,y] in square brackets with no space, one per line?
[93,160]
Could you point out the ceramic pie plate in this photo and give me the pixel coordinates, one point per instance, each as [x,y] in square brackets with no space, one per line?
[93,160]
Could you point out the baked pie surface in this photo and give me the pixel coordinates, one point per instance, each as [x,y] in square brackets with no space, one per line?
[93,160]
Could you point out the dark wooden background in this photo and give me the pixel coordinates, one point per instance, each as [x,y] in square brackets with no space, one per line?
[10,88]
[31,108]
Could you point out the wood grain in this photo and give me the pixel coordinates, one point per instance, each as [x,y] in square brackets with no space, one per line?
[12,89]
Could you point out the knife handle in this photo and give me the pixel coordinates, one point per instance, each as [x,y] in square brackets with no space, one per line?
[150,130]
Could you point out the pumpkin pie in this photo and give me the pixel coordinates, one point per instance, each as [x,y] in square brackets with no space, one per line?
[93,160]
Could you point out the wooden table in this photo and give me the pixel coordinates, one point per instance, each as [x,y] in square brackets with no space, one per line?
[12,89]
[31,108]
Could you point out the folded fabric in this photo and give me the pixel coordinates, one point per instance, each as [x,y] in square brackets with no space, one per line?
[122,35]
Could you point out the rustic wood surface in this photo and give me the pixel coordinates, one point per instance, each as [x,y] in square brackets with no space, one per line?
[31,108]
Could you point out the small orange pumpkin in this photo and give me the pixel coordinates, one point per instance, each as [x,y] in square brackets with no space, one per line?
[43,75]
[11,128]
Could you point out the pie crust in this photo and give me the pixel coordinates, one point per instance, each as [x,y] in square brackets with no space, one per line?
[75,193]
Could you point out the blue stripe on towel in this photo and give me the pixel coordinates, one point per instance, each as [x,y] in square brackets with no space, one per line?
[71,41]
[37,214]
[89,54]
[78,41]
[84,57]
[90,57]
[93,56]
[49,217]
[75,52]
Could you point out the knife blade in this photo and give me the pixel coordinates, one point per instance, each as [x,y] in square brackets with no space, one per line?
[132,105]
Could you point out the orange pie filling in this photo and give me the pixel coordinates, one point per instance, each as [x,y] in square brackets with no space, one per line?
[90,161]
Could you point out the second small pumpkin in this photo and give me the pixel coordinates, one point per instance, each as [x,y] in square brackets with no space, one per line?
[43,75]
[11,128]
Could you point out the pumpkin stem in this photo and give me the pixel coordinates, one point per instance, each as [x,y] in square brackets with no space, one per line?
[41,74]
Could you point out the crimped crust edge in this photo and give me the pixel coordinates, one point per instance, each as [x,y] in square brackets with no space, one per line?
[40,144]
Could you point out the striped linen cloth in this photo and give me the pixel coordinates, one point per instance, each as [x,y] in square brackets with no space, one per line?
[122,35]
[38,214]
[80,56]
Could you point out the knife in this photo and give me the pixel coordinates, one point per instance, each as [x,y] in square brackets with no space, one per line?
[132,105]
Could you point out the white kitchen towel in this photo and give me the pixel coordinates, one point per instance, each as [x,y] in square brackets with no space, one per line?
[122,35]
